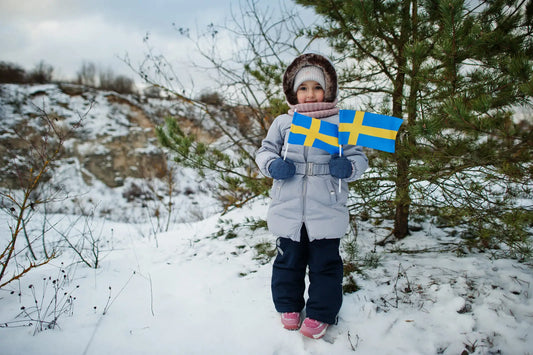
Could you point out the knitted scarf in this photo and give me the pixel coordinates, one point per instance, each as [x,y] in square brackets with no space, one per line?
[315,109]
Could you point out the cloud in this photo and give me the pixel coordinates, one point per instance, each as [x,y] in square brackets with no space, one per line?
[66,33]
[66,43]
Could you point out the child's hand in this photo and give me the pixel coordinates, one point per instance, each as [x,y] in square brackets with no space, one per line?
[281,169]
[340,167]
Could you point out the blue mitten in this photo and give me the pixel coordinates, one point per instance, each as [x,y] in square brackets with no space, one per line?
[281,169]
[340,167]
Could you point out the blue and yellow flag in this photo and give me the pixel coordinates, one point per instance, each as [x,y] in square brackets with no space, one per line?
[313,132]
[368,130]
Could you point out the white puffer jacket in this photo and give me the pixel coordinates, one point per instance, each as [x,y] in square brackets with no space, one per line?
[312,195]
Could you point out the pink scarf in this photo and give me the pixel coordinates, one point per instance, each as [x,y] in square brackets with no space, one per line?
[315,109]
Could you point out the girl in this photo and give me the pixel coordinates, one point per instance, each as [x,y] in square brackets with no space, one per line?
[308,214]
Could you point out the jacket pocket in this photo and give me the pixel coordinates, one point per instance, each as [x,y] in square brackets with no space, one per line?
[275,193]
[332,192]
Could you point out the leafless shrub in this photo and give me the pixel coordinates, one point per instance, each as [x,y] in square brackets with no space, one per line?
[20,204]
[49,301]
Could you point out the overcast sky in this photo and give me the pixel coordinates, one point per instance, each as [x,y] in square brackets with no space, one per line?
[65,33]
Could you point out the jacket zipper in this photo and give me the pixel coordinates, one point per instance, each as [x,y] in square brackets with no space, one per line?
[304,187]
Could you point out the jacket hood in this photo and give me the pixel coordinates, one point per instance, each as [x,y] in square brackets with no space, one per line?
[310,59]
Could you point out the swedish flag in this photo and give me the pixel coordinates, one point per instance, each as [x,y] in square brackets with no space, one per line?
[368,130]
[313,132]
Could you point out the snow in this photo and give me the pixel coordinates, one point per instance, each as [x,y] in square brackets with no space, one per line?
[105,118]
[190,290]
[187,291]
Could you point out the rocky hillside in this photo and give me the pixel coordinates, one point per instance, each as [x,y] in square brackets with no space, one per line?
[109,146]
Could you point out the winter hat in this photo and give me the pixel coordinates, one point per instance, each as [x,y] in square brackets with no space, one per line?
[312,73]
[310,60]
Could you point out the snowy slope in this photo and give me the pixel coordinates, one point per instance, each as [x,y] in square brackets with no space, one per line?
[189,292]
[113,155]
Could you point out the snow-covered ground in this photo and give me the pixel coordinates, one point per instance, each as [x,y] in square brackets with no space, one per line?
[192,290]
[187,291]
[105,117]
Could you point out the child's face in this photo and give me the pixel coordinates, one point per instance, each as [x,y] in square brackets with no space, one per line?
[309,91]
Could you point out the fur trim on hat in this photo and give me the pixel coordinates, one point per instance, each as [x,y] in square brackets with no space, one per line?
[305,60]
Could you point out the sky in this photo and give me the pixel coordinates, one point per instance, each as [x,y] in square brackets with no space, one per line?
[66,33]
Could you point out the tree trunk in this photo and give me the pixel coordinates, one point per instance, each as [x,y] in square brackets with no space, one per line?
[403,199]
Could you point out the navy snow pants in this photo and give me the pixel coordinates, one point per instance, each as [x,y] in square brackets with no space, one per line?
[325,277]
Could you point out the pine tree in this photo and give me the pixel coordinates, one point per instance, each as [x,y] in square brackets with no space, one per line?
[455,71]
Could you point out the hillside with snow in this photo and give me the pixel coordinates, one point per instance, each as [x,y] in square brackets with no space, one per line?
[111,151]
[193,288]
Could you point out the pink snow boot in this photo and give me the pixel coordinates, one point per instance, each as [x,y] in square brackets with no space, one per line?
[290,320]
[313,329]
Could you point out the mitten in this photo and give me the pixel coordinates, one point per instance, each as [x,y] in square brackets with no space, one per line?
[281,169]
[340,167]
